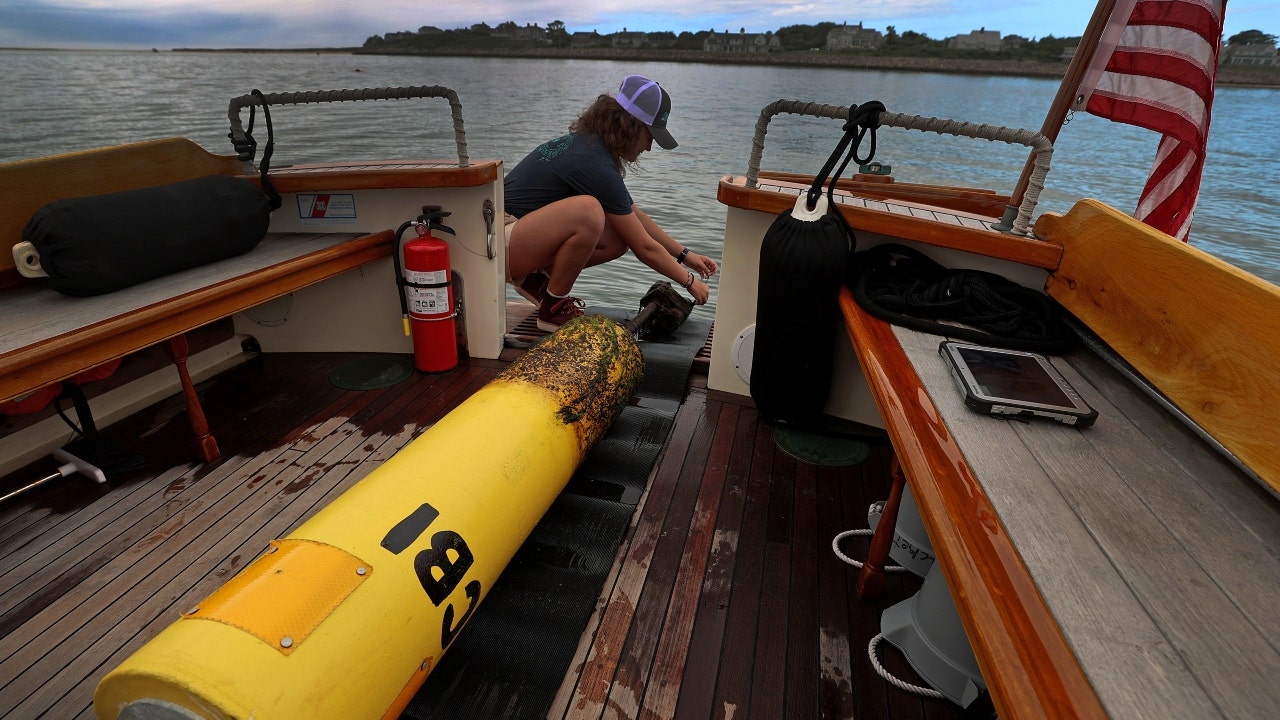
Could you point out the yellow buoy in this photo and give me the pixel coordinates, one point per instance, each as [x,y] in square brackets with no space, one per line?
[346,616]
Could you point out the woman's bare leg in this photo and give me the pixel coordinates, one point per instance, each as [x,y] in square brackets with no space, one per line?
[609,247]
[559,239]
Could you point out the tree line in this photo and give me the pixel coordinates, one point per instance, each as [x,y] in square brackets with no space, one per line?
[792,38]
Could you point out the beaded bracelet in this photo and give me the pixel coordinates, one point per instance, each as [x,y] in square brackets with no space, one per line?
[689,284]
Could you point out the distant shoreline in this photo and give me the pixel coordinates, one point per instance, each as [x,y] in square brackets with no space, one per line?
[1243,76]
[1236,76]
[1228,75]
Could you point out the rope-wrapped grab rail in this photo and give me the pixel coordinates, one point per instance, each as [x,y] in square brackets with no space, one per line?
[245,146]
[1039,144]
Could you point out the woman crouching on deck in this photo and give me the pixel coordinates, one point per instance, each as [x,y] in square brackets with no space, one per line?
[575,211]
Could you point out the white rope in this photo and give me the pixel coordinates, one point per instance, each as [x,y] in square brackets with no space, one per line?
[835,547]
[882,672]
[1039,144]
[385,93]
[871,648]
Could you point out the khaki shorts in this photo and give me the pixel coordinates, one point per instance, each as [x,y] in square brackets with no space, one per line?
[507,221]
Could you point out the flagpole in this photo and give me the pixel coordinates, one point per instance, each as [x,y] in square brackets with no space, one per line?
[1065,97]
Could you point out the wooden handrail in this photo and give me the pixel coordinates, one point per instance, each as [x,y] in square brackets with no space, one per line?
[1028,251]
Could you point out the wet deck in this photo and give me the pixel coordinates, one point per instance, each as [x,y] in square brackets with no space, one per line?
[726,600]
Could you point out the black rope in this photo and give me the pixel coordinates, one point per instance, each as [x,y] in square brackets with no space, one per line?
[903,286]
[267,186]
[862,118]
[246,147]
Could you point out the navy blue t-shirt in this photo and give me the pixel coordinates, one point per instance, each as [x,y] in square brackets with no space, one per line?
[571,165]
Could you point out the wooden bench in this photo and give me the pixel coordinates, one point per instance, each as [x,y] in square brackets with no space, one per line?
[46,337]
[1128,569]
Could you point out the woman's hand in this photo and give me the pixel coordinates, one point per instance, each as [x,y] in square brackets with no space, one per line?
[704,266]
[699,290]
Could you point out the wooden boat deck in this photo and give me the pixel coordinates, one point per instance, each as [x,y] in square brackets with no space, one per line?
[742,608]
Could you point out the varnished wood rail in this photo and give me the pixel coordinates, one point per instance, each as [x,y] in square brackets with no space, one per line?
[918,216]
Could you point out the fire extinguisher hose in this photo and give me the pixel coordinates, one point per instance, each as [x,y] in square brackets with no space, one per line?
[395,259]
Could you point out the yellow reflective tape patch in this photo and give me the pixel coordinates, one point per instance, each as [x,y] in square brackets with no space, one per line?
[284,595]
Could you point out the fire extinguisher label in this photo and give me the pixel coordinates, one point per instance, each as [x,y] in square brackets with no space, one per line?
[326,208]
[428,300]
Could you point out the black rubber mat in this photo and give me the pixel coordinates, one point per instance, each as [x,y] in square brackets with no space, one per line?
[666,359]
[618,466]
[509,660]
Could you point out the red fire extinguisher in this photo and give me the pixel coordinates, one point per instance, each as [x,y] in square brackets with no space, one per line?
[426,298]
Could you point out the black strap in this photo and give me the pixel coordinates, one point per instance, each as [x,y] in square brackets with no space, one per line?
[862,118]
[267,186]
[431,216]
[246,147]
[71,391]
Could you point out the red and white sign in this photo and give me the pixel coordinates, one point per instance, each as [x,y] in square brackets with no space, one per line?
[327,206]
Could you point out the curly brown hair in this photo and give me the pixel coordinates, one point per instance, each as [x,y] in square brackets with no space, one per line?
[615,127]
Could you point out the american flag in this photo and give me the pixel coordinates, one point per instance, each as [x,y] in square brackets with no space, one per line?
[1155,67]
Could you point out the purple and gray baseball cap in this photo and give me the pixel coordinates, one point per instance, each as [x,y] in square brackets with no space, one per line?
[650,104]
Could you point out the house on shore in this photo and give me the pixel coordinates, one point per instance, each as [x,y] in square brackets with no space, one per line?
[1260,54]
[741,42]
[854,37]
[586,40]
[980,39]
[625,39]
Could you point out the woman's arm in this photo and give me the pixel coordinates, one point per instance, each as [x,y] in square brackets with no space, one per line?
[658,250]
[704,266]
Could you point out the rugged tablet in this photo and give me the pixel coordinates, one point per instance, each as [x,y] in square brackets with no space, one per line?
[1013,383]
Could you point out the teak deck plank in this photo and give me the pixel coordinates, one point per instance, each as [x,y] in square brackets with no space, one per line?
[735,435]
[635,668]
[835,683]
[156,596]
[733,684]
[664,684]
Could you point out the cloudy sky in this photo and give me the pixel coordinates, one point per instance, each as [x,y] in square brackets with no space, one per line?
[346,23]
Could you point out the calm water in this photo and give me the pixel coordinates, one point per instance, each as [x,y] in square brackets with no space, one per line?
[59,101]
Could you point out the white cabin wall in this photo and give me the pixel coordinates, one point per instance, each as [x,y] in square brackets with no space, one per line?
[850,396]
[360,309]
